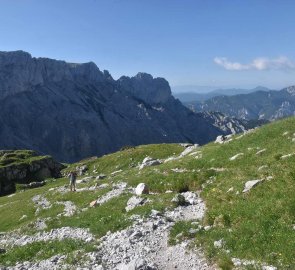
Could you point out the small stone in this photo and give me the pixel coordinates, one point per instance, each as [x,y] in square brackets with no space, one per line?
[103,186]
[129,232]
[287,156]
[116,172]
[136,235]
[140,264]
[261,151]
[220,139]
[236,262]
[262,167]
[193,231]
[179,199]
[35,184]
[190,197]
[219,243]
[93,203]
[152,225]
[23,217]
[40,224]
[236,156]
[101,176]
[186,198]
[207,228]
[230,190]
[133,202]
[155,213]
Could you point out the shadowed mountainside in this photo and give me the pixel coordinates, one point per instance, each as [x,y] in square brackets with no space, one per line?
[73,111]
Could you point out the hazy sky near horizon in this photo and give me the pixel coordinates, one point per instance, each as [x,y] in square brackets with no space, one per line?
[220,43]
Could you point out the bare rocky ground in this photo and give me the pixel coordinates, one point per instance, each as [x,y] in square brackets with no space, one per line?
[143,245]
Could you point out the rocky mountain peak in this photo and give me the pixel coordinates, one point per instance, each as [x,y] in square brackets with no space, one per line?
[87,71]
[145,87]
[20,72]
[107,75]
[291,90]
[143,76]
[18,57]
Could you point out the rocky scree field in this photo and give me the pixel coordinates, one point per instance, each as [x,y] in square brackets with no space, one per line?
[225,205]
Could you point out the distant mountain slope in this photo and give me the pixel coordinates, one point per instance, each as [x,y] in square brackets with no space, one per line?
[72,111]
[193,96]
[268,105]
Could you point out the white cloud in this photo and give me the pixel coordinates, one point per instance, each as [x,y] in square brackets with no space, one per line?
[259,63]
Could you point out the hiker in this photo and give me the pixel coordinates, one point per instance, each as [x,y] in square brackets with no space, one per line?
[73,177]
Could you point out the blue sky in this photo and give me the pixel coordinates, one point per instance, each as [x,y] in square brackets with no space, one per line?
[221,43]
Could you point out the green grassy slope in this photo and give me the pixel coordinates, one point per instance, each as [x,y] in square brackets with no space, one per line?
[17,157]
[256,225]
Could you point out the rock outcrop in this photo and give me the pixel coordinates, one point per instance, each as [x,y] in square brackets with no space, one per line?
[72,111]
[25,167]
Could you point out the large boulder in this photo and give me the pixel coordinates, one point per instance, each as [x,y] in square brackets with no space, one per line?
[250,184]
[141,188]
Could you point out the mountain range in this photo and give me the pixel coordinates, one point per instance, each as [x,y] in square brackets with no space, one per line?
[195,96]
[259,105]
[73,111]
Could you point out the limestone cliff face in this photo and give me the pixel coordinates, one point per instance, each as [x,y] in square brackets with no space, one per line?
[72,111]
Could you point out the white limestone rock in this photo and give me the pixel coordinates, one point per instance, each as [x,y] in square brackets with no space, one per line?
[261,151]
[133,202]
[236,156]
[220,139]
[219,243]
[250,184]
[142,188]
[148,161]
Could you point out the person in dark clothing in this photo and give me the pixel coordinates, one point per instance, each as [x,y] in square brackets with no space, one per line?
[73,177]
